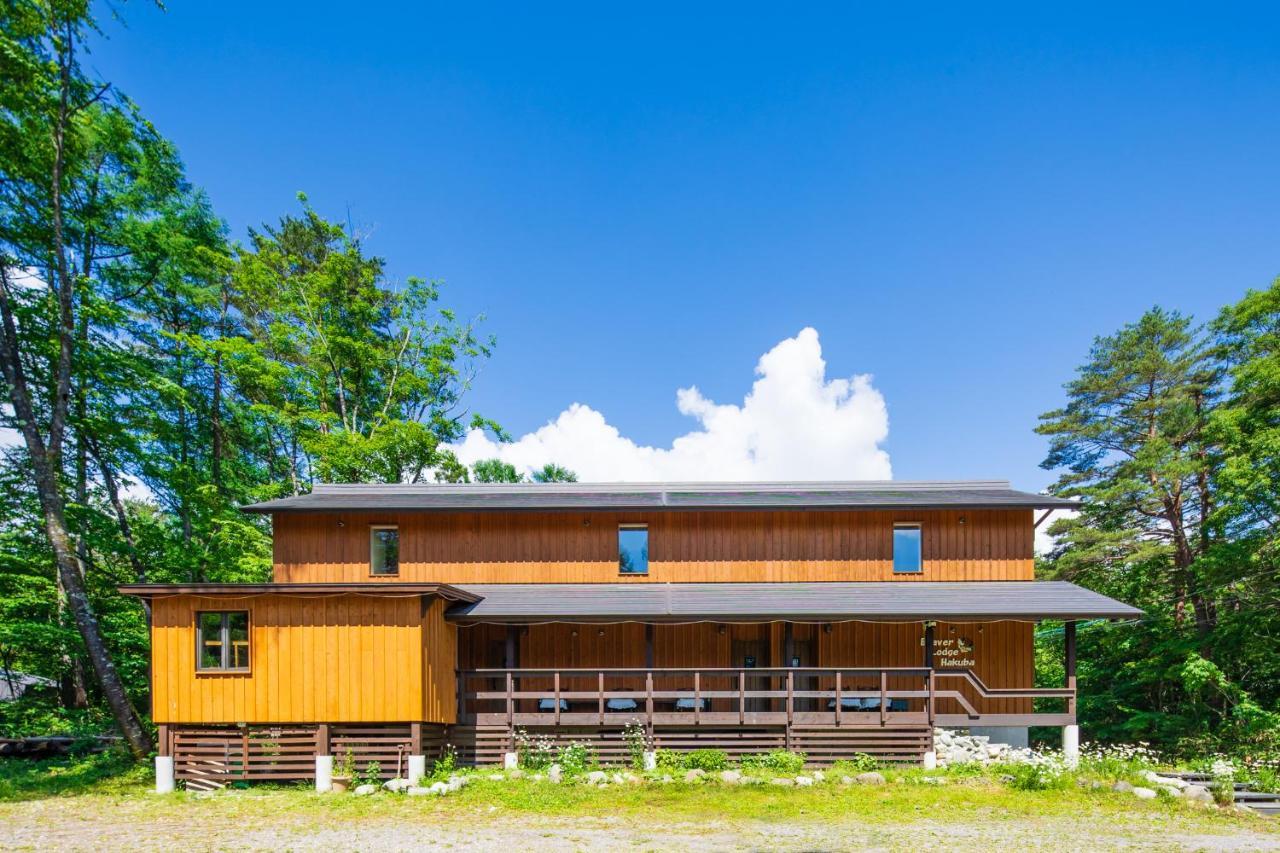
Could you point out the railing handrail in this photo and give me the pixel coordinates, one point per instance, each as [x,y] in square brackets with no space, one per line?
[726,670]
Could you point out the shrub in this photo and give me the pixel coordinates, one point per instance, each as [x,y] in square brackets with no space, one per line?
[444,766]
[1043,775]
[577,758]
[1223,785]
[637,743]
[1119,761]
[708,760]
[779,761]
[669,761]
[535,752]
[860,763]
[372,774]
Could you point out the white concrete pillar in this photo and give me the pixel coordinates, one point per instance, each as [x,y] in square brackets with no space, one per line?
[1071,745]
[324,773]
[164,774]
[510,760]
[417,768]
[930,760]
[650,760]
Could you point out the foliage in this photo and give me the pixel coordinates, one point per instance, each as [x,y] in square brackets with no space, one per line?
[577,758]
[708,760]
[1117,761]
[1044,775]
[781,761]
[372,774]
[346,768]
[445,766]
[669,761]
[859,763]
[638,743]
[534,752]
[1170,436]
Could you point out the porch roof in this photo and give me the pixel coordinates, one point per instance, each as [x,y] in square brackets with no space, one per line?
[889,601]
[866,494]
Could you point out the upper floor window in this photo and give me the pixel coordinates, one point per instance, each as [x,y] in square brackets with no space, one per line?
[907,557]
[633,549]
[224,641]
[384,549]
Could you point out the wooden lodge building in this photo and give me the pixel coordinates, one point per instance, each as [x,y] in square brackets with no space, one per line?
[828,618]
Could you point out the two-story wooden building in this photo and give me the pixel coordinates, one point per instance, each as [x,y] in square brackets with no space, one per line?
[830,618]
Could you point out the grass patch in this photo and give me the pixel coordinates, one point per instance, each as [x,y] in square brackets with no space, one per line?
[110,772]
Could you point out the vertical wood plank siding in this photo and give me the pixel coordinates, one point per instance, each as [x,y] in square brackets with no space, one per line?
[580,547]
[333,659]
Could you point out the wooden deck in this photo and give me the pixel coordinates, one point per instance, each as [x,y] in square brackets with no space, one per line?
[805,696]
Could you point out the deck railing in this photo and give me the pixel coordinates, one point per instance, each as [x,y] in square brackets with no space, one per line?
[854,696]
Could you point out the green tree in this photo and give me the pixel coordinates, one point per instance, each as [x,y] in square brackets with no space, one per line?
[553,473]
[495,471]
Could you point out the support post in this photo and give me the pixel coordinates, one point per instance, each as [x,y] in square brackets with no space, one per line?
[839,701]
[164,774]
[324,760]
[1071,745]
[928,664]
[416,766]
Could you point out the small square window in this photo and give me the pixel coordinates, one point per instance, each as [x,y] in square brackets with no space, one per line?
[224,641]
[384,550]
[907,557]
[633,549]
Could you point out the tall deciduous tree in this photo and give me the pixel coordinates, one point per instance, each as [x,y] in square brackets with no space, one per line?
[67,144]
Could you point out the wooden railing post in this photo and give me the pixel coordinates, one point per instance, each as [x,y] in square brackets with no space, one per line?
[511,701]
[648,700]
[931,698]
[791,699]
[600,686]
[884,697]
[742,697]
[459,680]
[557,682]
[839,701]
[697,698]
[1070,666]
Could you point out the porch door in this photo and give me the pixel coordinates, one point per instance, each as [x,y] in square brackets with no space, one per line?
[751,653]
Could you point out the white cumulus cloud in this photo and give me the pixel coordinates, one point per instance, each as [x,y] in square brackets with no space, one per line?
[795,424]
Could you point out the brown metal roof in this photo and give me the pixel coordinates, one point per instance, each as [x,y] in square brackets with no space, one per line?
[882,601]
[244,590]
[880,494]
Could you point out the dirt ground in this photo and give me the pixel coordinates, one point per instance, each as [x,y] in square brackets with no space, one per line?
[55,824]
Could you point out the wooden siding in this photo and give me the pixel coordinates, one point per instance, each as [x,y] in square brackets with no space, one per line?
[440,661]
[332,659]
[580,547]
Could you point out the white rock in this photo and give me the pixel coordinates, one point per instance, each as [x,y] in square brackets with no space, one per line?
[694,775]
[782,781]
[730,777]
[1171,791]
[871,777]
[365,790]
[514,773]
[804,781]
[496,777]
[1122,787]
[1198,792]
[555,773]
[846,780]
[819,776]
[441,788]
[396,785]
[422,792]
[1144,793]
[595,777]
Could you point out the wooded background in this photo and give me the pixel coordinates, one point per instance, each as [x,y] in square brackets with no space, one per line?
[159,373]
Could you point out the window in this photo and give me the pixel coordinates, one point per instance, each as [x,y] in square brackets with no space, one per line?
[907,558]
[224,641]
[384,550]
[633,549]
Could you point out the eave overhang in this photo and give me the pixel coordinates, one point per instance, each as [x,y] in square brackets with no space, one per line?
[384,589]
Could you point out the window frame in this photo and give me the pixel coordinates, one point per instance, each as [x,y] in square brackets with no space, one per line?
[636,525]
[374,528]
[224,636]
[893,551]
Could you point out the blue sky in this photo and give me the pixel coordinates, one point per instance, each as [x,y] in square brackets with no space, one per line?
[642,201]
